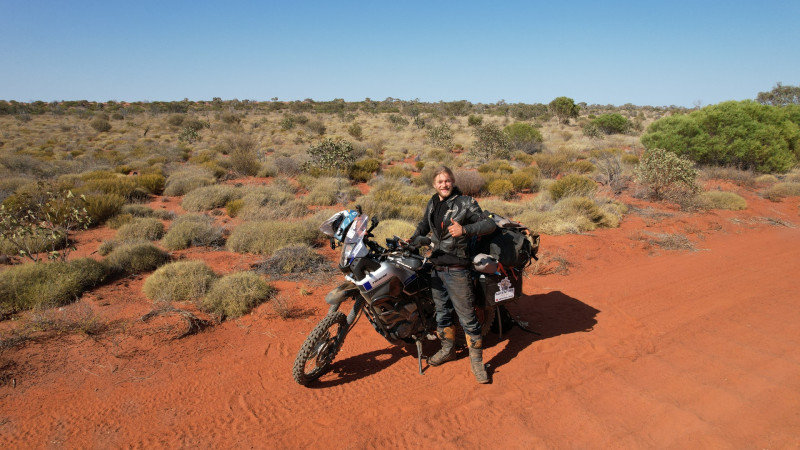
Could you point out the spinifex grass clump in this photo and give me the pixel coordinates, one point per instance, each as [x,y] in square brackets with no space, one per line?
[294,259]
[179,281]
[234,295]
[44,285]
[265,237]
[136,258]
[184,181]
[209,197]
[192,230]
[141,229]
[721,200]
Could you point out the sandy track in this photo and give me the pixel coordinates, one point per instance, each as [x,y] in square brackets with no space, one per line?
[679,349]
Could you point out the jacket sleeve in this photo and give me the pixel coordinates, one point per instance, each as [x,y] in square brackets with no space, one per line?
[423,227]
[478,224]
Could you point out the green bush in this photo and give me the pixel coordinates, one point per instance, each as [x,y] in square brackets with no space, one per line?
[496,165]
[328,191]
[551,164]
[234,295]
[564,108]
[390,199]
[330,155]
[141,229]
[151,182]
[581,166]
[743,134]
[474,120]
[572,185]
[122,185]
[522,180]
[233,207]
[137,210]
[721,200]
[242,151]
[364,169]
[356,131]
[209,197]
[265,237]
[524,137]
[136,258]
[614,123]
[45,285]
[179,281]
[501,188]
[666,175]
[192,230]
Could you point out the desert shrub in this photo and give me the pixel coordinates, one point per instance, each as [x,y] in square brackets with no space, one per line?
[153,183]
[175,120]
[524,137]
[179,281]
[100,125]
[210,197]
[141,229]
[745,134]
[45,285]
[397,172]
[591,130]
[732,174]
[614,123]
[10,184]
[288,166]
[496,165]
[721,200]
[474,120]
[103,206]
[242,151]
[766,179]
[572,185]
[230,118]
[581,166]
[666,175]
[184,181]
[106,247]
[233,207]
[265,237]
[235,294]
[609,171]
[490,142]
[330,155]
[441,136]
[317,127]
[364,169]
[120,185]
[573,215]
[137,210]
[195,123]
[391,199]
[37,241]
[551,165]
[521,180]
[469,182]
[397,120]
[356,131]
[780,190]
[287,122]
[192,230]
[189,135]
[328,191]
[501,188]
[294,259]
[136,258]
[631,160]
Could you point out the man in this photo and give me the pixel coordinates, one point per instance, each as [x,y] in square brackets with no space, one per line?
[452,219]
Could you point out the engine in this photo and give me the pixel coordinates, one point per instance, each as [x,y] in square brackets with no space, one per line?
[398,316]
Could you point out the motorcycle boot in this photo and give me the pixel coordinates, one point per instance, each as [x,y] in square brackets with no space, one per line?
[476,360]
[448,351]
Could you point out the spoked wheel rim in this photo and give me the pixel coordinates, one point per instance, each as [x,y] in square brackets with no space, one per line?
[320,348]
[323,352]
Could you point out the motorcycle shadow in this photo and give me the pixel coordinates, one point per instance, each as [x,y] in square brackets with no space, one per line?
[547,315]
[359,366]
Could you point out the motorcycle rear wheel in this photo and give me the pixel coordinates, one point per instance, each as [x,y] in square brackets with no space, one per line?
[320,348]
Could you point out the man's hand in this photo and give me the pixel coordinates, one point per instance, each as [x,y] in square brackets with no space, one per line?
[455,229]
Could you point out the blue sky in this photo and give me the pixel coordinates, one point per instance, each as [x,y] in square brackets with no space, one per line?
[615,52]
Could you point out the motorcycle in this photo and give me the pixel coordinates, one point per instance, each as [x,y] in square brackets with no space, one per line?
[389,285]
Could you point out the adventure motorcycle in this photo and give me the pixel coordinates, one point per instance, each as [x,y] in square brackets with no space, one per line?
[389,285]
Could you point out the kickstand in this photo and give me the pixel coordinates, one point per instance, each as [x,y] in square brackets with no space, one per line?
[419,356]
[499,322]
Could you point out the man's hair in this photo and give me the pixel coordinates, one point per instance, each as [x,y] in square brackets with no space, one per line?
[444,169]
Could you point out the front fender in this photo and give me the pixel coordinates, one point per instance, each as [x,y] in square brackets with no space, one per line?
[341,293]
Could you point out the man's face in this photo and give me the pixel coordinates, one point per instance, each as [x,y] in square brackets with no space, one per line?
[443,185]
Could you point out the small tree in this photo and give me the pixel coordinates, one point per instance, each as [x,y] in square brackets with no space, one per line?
[525,137]
[441,136]
[780,95]
[564,108]
[490,142]
[666,174]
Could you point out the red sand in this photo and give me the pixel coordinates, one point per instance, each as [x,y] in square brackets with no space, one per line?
[638,347]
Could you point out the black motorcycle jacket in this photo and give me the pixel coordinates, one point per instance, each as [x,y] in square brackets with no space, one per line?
[449,250]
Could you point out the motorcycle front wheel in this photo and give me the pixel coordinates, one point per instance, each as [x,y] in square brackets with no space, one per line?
[320,348]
